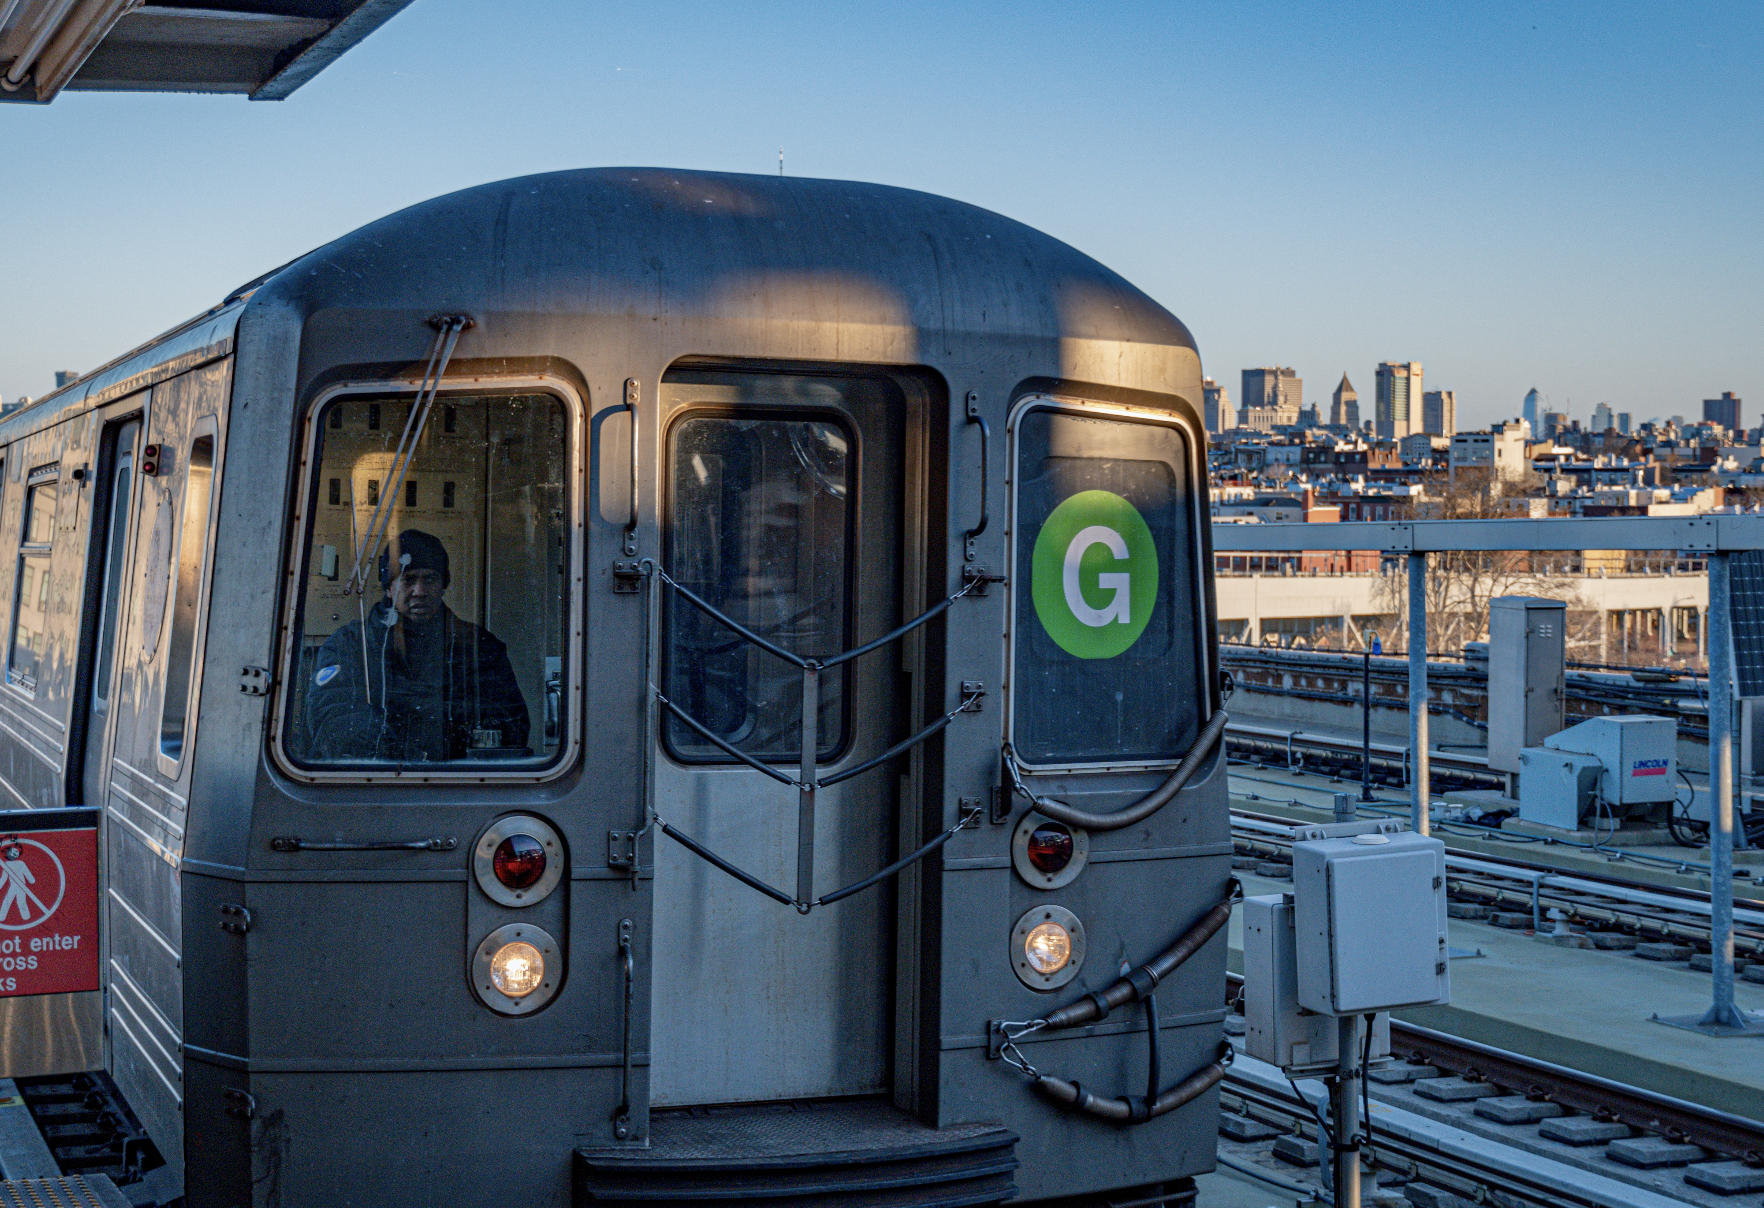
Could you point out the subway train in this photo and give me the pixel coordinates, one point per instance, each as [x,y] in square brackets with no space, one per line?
[633,686]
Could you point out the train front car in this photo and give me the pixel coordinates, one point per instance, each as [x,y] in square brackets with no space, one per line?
[524,881]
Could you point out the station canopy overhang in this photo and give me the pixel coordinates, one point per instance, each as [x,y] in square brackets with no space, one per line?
[264,49]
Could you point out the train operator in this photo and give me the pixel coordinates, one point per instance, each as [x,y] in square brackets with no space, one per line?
[423,686]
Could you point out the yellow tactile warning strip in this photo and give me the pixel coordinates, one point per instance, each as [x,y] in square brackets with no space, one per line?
[71,1191]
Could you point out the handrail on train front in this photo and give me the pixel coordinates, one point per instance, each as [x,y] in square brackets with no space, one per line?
[807,782]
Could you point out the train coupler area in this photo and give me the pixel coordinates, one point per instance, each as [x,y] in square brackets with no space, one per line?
[803,1154]
[86,1141]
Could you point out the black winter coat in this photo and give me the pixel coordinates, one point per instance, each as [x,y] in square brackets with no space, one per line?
[424,693]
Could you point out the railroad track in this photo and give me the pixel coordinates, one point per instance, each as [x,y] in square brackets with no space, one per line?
[1471,1124]
[1604,912]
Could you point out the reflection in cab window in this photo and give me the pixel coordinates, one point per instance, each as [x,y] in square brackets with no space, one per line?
[454,652]
[30,613]
[760,526]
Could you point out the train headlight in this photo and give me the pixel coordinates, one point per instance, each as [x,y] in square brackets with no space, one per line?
[1047,947]
[1048,854]
[519,861]
[517,969]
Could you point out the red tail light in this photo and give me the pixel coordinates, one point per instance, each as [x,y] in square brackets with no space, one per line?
[520,861]
[1050,847]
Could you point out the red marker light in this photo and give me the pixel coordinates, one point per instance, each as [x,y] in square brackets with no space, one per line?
[1050,847]
[519,861]
[150,459]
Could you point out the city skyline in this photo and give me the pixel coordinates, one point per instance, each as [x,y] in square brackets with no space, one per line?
[1562,242]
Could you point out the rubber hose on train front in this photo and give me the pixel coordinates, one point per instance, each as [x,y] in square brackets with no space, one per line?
[1073,1097]
[1142,981]
[1152,802]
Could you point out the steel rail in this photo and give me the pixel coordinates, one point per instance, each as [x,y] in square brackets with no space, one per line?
[1454,1173]
[1713,1129]
[1687,901]
[1533,1077]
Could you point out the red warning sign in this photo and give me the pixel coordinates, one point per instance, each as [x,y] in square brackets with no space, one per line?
[48,911]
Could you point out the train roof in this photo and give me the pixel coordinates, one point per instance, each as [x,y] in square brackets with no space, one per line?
[666,242]
[675,243]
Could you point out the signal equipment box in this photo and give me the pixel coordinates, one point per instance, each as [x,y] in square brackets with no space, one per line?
[1369,918]
[1277,1029]
[1639,755]
[1527,675]
[1557,788]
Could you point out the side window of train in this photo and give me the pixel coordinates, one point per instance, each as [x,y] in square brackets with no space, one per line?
[450,656]
[1106,661]
[34,591]
[760,524]
[187,583]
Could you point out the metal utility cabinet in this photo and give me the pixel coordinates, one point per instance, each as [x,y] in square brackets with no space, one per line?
[1527,654]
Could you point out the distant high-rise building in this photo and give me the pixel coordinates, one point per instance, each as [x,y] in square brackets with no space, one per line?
[1399,399]
[1308,417]
[1532,413]
[1553,422]
[65,376]
[1221,416]
[1724,411]
[1439,412]
[1271,397]
[1623,422]
[1344,409]
[1602,418]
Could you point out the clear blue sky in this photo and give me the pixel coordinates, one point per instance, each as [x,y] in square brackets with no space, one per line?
[1569,196]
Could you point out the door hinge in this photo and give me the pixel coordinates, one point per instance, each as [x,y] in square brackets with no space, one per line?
[980,577]
[627,577]
[621,849]
[235,919]
[255,681]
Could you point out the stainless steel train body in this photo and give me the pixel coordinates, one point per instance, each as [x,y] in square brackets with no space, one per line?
[819,409]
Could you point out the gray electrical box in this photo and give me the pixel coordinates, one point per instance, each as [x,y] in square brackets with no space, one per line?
[1369,920]
[1276,1028]
[1527,675]
[1557,788]
[1638,755]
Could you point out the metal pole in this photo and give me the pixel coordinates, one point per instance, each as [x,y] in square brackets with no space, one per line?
[1344,1112]
[805,797]
[1722,1012]
[1421,791]
[1366,718]
[1344,807]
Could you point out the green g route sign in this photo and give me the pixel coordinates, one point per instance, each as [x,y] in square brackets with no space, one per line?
[1094,577]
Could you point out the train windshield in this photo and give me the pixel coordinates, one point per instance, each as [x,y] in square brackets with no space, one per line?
[1106,658]
[449,646]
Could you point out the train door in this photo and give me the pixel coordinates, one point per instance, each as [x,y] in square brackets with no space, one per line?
[144,777]
[783,507]
[112,508]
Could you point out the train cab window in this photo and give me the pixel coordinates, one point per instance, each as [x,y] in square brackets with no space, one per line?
[451,658]
[32,599]
[1105,646]
[760,525]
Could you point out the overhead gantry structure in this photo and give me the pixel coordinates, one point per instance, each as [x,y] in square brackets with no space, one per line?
[264,49]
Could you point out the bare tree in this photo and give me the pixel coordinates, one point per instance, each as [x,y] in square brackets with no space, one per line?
[1460,583]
